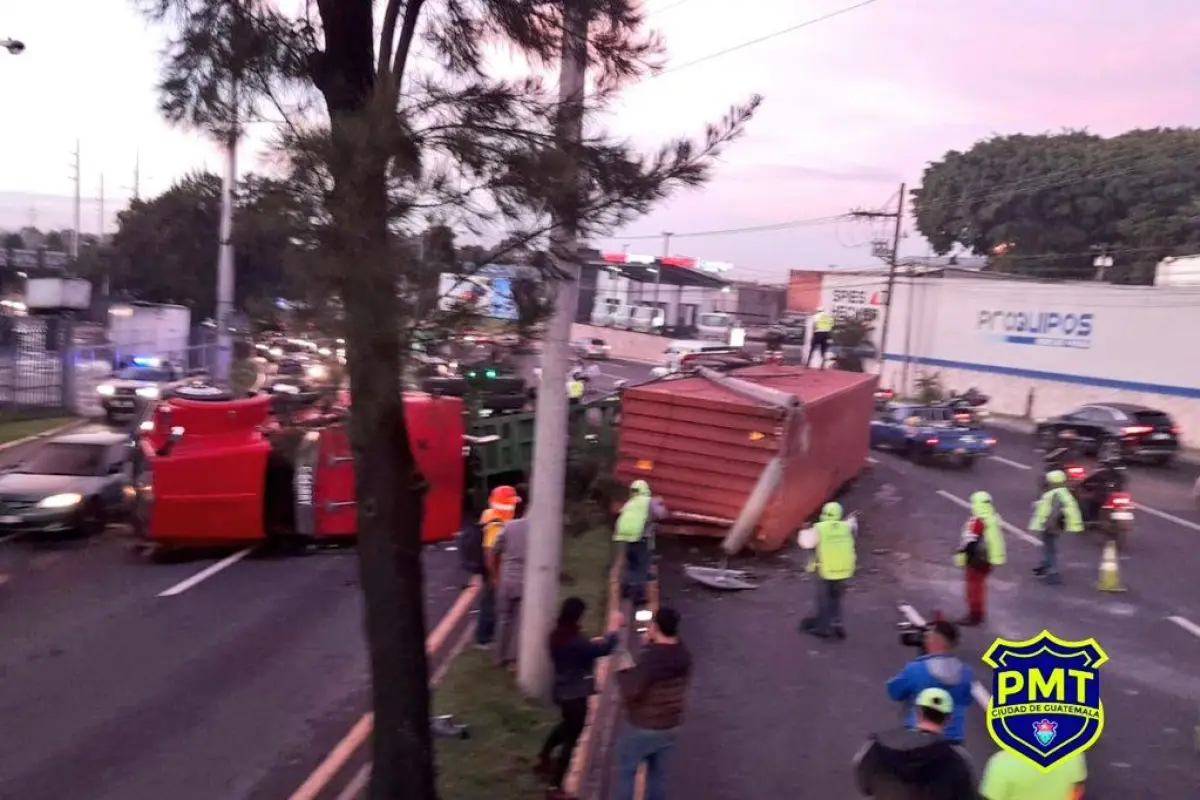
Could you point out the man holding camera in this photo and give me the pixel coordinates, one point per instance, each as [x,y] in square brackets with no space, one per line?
[916,763]
[937,668]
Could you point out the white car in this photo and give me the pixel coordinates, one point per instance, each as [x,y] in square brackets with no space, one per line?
[591,348]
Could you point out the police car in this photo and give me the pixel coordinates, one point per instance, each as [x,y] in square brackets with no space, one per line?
[142,381]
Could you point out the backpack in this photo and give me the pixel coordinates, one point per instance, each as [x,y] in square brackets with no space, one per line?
[470,548]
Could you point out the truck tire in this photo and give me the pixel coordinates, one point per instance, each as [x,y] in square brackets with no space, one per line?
[202,392]
[448,387]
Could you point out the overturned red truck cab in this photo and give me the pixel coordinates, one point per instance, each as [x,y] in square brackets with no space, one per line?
[221,472]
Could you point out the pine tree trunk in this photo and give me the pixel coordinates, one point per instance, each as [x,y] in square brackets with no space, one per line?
[389,487]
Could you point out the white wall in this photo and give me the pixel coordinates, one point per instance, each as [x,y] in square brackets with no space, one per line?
[627,292]
[1039,349]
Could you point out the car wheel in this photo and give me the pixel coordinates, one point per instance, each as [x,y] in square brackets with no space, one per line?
[92,520]
[968,462]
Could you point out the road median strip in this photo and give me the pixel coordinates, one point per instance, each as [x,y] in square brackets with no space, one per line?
[16,432]
[506,730]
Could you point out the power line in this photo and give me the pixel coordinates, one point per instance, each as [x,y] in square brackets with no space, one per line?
[768,228]
[774,35]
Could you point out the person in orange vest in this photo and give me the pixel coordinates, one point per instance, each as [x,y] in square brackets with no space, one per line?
[502,507]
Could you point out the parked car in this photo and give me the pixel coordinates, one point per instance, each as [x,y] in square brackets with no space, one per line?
[620,317]
[76,482]
[647,319]
[1121,430]
[591,348]
[927,433]
[791,330]
[602,314]
[715,326]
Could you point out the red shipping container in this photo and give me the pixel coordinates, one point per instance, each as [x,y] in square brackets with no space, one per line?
[703,446]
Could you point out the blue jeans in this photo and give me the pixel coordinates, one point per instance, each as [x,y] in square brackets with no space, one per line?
[1049,553]
[829,606]
[485,623]
[636,572]
[636,746]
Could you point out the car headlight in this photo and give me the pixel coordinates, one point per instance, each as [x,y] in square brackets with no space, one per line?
[65,500]
[316,372]
[276,351]
[150,392]
[105,390]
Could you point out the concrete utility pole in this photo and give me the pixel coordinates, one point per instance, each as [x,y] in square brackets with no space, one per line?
[137,176]
[225,278]
[78,221]
[544,559]
[658,270]
[104,290]
[893,265]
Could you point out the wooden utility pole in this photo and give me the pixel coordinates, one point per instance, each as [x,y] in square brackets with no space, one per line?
[893,264]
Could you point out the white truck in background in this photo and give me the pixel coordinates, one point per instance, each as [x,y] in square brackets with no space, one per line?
[147,330]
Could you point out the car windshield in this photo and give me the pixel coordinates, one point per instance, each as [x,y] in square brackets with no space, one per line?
[64,458]
[1155,419]
[148,374]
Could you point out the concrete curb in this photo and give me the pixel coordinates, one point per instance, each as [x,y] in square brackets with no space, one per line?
[65,428]
[582,761]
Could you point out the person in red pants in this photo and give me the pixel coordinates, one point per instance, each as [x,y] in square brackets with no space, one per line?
[980,550]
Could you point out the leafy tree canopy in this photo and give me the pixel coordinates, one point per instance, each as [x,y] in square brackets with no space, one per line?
[1046,205]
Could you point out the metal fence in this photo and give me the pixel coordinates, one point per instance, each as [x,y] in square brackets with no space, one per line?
[94,365]
[30,364]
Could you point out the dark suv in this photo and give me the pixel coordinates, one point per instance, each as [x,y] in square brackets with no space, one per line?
[1116,429]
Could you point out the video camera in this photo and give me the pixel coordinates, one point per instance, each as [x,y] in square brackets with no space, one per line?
[913,635]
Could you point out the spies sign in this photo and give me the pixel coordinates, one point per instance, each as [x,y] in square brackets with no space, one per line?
[1037,327]
[857,304]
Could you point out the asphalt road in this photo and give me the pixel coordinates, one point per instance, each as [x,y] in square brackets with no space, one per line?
[773,711]
[235,686]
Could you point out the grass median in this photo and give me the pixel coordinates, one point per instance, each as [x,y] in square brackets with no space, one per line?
[506,730]
[12,429]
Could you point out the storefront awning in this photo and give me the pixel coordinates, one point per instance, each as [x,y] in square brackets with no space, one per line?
[666,270]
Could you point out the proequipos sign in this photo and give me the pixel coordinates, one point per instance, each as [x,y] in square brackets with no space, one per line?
[1072,329]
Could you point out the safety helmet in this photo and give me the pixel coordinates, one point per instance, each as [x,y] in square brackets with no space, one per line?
[1056,477]
[639,487]
[981,497]
[831,511]
[504,498]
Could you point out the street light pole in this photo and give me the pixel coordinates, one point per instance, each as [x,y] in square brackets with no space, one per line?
[225,266]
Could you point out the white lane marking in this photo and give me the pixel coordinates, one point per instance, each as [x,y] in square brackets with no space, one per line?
[982,696]
[1008,526]
[205,574]
[1154,512]
[1010,462]
[1187,625]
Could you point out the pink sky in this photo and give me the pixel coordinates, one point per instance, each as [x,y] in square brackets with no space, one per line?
[853,105]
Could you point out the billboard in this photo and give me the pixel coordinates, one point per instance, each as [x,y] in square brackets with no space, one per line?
[488,292]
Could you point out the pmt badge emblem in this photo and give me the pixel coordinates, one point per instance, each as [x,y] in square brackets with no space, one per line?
[1045,702]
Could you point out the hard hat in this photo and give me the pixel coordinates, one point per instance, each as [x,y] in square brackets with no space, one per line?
[639,487]
[831,511]
[504,498]
[981,497]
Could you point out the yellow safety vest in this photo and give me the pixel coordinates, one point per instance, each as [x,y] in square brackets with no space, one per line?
[575,389]
[824,322]
[836,557]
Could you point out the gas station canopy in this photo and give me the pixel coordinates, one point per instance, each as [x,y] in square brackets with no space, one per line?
[668,270]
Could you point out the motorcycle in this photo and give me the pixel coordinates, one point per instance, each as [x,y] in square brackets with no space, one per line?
[968,407]
[1115,520]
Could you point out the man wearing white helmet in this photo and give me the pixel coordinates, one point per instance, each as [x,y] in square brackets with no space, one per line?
[822,332]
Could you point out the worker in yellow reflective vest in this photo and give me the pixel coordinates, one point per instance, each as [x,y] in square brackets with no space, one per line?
[575,390]
[1056,510]
[980,550]
[822,332]
[834,559]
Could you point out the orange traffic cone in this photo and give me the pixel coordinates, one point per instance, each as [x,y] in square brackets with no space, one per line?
[1110,570]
